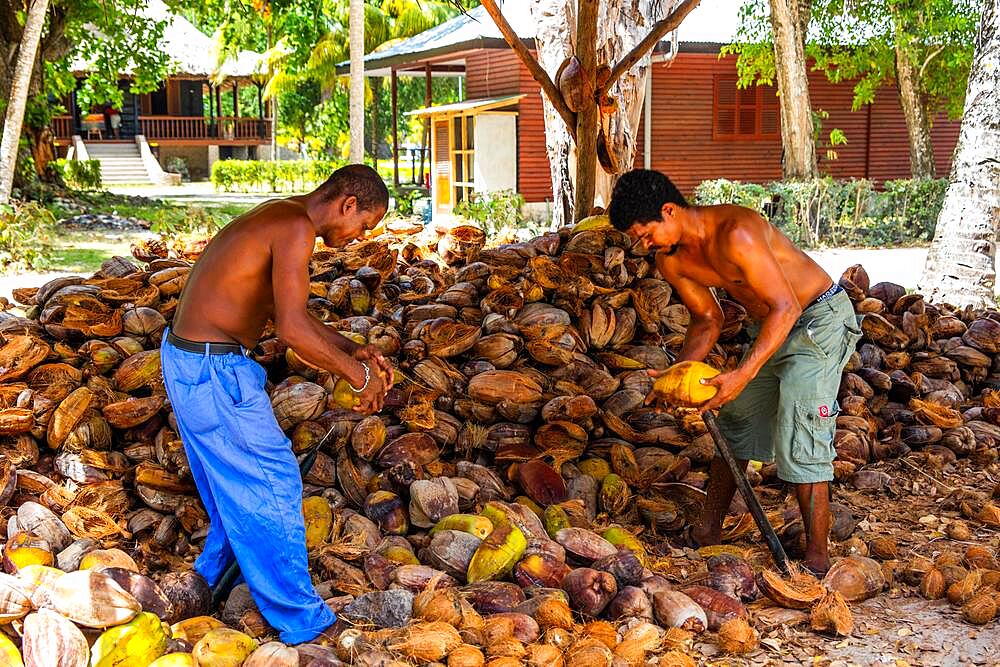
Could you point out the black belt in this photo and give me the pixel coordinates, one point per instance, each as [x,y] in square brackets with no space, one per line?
[203,348]
[834,290]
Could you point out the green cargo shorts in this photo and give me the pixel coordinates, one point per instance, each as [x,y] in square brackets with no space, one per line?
[788,412]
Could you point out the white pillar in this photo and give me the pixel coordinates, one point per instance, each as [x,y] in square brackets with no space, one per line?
[213,156]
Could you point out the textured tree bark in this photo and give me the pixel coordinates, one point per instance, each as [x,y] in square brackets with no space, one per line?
[555,34]
[799,159]
[33,25]
[356,103]
[960,266]
[918,127]
[622,24]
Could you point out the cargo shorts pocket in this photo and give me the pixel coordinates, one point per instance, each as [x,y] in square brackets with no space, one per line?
[815,426]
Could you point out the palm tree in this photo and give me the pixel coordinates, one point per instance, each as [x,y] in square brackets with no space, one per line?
[19,95]
[356,33]
[960,266]
[385,22]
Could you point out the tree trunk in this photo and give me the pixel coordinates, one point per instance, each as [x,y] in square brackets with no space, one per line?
[799,159]
[555,33]
[357,90]
[621,25]
[918,126]
[589,115]
[19,95]
[961,263]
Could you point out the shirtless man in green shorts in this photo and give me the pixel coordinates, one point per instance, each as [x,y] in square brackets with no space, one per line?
[780,403]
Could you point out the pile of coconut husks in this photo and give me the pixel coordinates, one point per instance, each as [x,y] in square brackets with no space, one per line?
[516,502]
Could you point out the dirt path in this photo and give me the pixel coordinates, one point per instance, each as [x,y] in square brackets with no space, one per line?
[897,627]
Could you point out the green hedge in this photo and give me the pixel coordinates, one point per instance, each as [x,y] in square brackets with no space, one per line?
[268,176]
[79,174]
[831,212]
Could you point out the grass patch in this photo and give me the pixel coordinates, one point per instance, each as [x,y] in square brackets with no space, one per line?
[84,252]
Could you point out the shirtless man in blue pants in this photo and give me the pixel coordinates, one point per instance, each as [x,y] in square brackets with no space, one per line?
[253,271]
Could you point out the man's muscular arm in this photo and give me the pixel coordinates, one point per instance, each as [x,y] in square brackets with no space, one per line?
[301,331]
[706,314]
[747,248]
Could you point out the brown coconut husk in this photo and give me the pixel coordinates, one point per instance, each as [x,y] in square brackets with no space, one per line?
[428,642]
[832,615]
[738,637]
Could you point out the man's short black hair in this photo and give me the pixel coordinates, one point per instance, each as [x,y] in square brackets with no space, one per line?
[638,197]
[359,181]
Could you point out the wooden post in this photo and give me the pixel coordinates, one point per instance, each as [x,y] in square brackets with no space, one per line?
[395,127]
[588,117]
[218,104]
[236,99]
[211,108]
[425,143]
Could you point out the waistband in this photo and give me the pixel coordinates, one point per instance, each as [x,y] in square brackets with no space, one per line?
[204,347]
[834,290]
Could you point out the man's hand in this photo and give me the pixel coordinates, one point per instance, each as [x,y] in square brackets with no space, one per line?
[373,396]
[378,363]
[729,386]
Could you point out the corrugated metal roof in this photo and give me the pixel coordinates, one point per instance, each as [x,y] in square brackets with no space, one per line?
[191,50]
[468,105]
[711,22]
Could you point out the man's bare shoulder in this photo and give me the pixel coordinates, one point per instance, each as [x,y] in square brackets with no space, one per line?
[738,225]
[285,218]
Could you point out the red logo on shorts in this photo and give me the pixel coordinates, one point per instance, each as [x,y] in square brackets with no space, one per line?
[824,411]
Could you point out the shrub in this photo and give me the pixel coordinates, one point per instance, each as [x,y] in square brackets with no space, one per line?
[79,174]
[493,211]
[192,222]
[825,211]
[178,165]
[26,236]
[280,176]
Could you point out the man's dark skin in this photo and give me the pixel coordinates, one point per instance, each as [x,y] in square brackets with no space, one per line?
[734,248]
[257,269]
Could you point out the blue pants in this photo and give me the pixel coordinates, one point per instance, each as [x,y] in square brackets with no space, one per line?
[249,482]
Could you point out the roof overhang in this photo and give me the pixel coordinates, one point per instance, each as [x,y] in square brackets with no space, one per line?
[468,107]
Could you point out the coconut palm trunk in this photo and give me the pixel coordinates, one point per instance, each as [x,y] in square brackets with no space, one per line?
[788,22]
[960,266]
[356,29]
[19,95]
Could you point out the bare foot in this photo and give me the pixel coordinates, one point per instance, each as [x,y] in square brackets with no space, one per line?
[703,536]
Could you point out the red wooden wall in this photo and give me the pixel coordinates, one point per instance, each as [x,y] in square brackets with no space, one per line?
[682,143]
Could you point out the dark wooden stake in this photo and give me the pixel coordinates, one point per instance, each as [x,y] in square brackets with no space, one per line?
[589,115]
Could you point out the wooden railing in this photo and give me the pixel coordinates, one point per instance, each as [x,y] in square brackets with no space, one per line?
[198,127]
[161,128]
[62,126]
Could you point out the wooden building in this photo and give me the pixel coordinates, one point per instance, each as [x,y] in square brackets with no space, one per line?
[182,118]
[697,125]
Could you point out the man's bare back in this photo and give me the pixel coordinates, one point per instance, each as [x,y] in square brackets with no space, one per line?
[719,260]
[229,295]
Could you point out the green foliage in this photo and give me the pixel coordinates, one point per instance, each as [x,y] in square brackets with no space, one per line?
[194,222]
[261,176]
[112,37]
[79,174]
[829,212]
[493,211]
[178,165]
[404,198]
[26,237]
[856,40]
